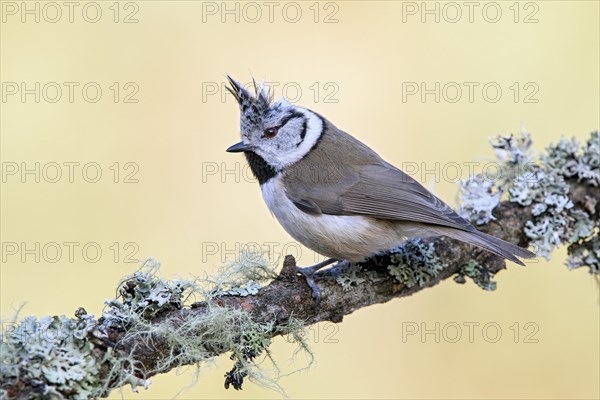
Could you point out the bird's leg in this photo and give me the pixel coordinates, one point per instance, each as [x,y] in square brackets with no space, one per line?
[308,274]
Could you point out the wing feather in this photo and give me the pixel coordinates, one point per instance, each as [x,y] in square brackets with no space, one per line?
[384,191]
[354,180]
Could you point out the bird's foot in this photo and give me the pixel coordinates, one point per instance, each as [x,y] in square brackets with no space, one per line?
[309,272]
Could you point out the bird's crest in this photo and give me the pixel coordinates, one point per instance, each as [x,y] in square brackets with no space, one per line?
[261,100]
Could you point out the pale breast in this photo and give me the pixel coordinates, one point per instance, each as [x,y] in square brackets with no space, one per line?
[344,237]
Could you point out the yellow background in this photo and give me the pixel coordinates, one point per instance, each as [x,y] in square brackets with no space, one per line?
[176,133]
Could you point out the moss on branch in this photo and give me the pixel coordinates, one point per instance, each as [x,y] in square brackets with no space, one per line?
[155,325]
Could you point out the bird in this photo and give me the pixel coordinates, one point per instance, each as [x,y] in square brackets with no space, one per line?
[333,193]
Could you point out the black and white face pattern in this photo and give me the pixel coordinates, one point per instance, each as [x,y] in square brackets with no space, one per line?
[279,133]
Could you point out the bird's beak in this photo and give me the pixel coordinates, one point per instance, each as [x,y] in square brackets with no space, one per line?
[238,148]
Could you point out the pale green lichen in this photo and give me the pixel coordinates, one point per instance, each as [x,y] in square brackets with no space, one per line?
[145,295]
[51,354]
[478,273]
[62,364]
[513,150]
[515,156]
[589,165]
[348,278]
[555,219]
[56,355]
[586,254]
[478,199]
[481,193]
[414,263]
[248,288]
[571,160]
[549,196]
[581,226]
[241,277]
[542,185]
[203,335]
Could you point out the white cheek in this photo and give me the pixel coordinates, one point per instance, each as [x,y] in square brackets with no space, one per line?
[314,129]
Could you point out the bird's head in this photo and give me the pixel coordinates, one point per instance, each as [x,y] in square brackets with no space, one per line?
[279,132]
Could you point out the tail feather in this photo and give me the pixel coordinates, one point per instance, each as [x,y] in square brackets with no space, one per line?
[494,245]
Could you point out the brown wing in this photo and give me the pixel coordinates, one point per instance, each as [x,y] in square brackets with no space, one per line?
[354,180]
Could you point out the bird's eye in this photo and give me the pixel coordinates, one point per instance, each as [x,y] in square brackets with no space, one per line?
[270,132]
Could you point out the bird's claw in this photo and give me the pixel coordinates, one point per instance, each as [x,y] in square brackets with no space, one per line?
[308,273]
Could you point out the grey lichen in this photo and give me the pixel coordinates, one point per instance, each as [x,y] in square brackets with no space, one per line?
[145,295]
[571,160]
[581,226]
[414,263]
[514,155]
[549,196]
[52,354]
[246,289]
[585,254]
[543,185]
[62,357]
[513,150]
[255,340]
[555,220]
[349,278]
[478,273]
[481,193]
[478,199]
[216,329]
[241,277]
[59,355]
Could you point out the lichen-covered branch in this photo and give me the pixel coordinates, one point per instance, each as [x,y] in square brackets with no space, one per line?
[156,325]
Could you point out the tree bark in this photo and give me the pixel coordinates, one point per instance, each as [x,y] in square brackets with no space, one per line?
[289,294]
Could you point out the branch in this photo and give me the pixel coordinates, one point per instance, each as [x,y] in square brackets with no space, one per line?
[289,295]
[150,330]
